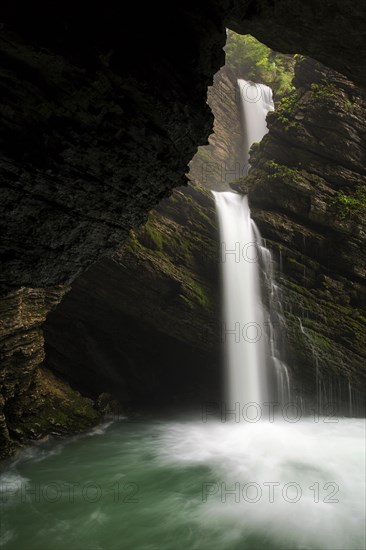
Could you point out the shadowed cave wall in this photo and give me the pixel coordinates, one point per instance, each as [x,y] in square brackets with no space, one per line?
[95,132]
[307,191]
[142,325]
[145,325]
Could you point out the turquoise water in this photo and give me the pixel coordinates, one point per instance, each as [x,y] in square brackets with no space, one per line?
[166,485]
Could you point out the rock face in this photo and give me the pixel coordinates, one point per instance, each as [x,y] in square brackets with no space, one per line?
[33,402]
[222,161]
[307,190]
[96,131]
[142,325]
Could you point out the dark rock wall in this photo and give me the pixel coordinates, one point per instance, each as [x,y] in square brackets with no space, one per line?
[142,324]
[96,131]
[33,402]
[101,113]
[222,161]
[307,192]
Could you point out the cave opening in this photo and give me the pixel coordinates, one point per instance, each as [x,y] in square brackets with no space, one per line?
[145,324]
[131,356]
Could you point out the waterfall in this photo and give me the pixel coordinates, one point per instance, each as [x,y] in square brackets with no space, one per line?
[256,102]
[242,305]
[254,373]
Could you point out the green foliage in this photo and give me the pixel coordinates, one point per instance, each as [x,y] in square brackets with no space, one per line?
[288,102]
[280,171]
[154,235]
[351,205]
[252,60]
[328,92]
[348,105]
[200,294]
[323,92]
[286,109]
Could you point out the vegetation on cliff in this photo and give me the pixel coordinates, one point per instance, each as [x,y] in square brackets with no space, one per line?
[307,191]
[219,163]
[250,59]
[352,204]
[174,238]
[142,324]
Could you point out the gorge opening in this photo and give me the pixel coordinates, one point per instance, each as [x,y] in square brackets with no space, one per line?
[137,336]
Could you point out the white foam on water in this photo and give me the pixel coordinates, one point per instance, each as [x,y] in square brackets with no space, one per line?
[325,460]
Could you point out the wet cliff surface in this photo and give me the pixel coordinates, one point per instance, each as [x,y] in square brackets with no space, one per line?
[142,324]
[95,132]
[34,402]
[137,332]
[222,160]
[307,190]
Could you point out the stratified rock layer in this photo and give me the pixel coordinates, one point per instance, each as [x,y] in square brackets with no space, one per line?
[307,191]
[101,113]
[142,325]
[222,161]
[34,403]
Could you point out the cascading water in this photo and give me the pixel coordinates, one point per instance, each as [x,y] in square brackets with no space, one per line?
[249,335]
[195,483]
[243,312]
[256,101]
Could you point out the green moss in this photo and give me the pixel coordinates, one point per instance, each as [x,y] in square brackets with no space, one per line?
[154,235]
[320,341]
[179,238]
[293,261]
[61,419]
[280,171]
[328,93]
[145,238]
[133,243]
[352,204]
[323,92]
[348,105]
[200,293]
[286,110]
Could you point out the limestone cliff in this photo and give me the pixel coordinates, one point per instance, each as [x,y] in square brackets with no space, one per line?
[142,324]
[33,402]
[307,192]
[96,131]
[217,164]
